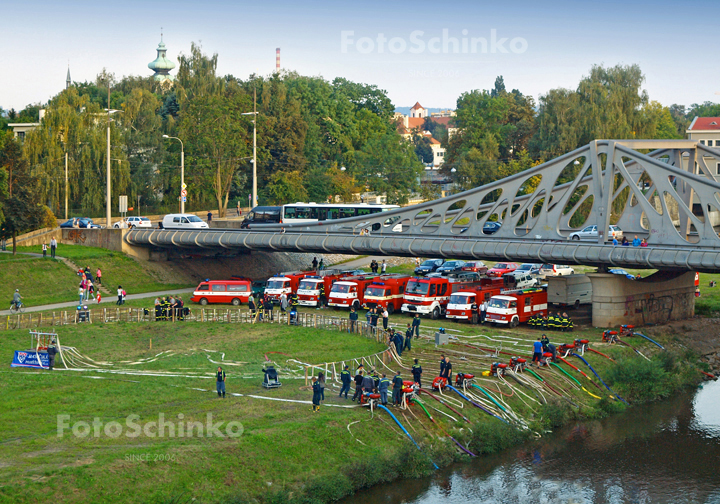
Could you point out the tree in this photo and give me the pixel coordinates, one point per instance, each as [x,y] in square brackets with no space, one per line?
[422,149]
[285,187]
[19,202]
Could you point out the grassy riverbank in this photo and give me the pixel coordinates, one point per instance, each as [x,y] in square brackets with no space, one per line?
[286,453]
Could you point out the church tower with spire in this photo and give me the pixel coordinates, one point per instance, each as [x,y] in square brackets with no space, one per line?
[161,65]
[68,81]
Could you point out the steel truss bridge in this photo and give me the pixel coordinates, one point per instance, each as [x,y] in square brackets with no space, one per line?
[662,190]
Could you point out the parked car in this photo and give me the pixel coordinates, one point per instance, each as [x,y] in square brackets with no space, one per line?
[491,227]
[519,280]
[476,266]
[183,221]
[591,233]
[530,268]
[555,270]
[620,271]
[133,222]
[83,222]
[501,268]
[450,267]
[429,266]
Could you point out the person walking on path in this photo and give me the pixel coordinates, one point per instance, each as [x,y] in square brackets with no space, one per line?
[81,292]
[353,320]
[220,382]
[238,209]
[98,276]
[345,379]
[416,325]
[386,318]
[53,246]
[120,295]
[44,249]
[397,383]
[209,217]
[316,395]
[383,389]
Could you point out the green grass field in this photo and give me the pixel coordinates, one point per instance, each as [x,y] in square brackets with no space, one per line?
[284,445]
[41,281]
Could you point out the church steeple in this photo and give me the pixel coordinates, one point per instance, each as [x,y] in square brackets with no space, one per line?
[68,81]
[161,65]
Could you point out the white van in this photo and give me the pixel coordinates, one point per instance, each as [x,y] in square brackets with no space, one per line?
[183,221]
[569,290]
[519,280]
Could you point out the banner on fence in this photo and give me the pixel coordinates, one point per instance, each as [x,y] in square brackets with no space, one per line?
[29,358]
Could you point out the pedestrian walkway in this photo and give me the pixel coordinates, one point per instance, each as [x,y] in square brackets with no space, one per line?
[73,304]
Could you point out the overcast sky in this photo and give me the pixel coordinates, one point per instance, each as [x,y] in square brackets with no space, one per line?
[416,50]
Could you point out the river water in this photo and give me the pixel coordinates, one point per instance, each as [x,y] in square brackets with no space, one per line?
[667,452]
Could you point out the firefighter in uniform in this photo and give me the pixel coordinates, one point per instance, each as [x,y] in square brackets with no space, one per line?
[294,301]
[417,373]
[567,319]
[322,302]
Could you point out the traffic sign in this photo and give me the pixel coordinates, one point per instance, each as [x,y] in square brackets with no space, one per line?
[184,199]
[184,186]
[183,192]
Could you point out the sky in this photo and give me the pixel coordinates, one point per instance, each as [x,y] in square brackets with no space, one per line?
[418,51]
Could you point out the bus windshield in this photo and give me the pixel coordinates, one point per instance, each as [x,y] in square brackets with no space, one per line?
[461,299]
[276,284]
[308,284]
[340,289]
[498,303]
[416,287]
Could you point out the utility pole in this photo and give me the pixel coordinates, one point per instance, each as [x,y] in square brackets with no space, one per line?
[108,195]
[254,146]
[66,185]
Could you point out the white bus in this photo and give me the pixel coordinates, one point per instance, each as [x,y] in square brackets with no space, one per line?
[303,213]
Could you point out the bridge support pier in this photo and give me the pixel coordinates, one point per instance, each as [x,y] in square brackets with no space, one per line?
[656,299]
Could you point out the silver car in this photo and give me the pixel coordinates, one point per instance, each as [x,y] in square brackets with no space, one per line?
[590,233]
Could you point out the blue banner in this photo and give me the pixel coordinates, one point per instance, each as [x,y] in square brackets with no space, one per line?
[29,358]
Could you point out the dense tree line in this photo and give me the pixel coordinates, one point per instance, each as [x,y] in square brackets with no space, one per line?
[315,139]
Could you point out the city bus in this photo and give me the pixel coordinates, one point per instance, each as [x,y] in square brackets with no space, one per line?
[305,213]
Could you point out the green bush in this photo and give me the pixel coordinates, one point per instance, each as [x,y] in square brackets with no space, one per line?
[639,380]
[493,436]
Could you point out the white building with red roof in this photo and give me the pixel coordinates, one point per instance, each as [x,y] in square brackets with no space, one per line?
[706,130]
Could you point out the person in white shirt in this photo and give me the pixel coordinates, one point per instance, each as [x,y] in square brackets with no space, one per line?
[483,310]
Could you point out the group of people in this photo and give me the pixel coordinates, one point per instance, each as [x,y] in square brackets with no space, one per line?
[373,383]
[265,305]
[540,348]
[374,266]
[170,308]
[53,248]
[318,266]
[637,242]
[555,322]
[86,288]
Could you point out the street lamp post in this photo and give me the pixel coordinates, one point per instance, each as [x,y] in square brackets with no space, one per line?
[182,171]
[254,159]
[108,195]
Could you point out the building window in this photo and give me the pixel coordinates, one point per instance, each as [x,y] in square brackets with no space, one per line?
[702,142]
[709,143]
[717,168]
[21,135]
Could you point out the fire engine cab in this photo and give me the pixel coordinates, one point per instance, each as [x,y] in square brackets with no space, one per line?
[350,291]
[516,307]
[386,293]
[284,282]
[430,296]
[308,290]
[465,304]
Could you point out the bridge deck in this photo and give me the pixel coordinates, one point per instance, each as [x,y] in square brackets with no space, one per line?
[489,248]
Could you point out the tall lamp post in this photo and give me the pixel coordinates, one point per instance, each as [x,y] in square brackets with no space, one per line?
[108,195]
[182,171]
[254,159]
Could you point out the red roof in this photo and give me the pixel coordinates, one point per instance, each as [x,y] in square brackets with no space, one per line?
[417,106]
[705,124]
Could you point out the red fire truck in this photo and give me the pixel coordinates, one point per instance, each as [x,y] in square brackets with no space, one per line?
[516,307]
[284,282]
[465,304]
[350,291]
[308,290]
[430,296]
[386,293]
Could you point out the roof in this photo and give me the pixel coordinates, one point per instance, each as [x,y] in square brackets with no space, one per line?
[705,124]
[417,106]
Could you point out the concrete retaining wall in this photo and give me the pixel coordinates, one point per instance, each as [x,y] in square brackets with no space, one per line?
[618,300]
